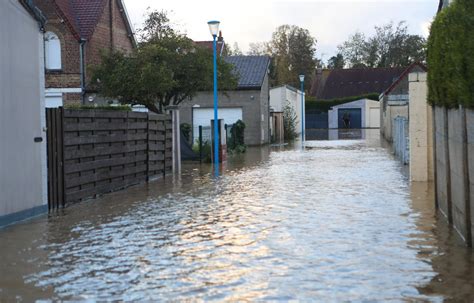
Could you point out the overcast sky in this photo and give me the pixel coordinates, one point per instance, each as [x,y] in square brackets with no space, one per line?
[331,22]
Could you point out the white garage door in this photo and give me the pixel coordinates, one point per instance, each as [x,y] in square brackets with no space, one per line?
[203,116]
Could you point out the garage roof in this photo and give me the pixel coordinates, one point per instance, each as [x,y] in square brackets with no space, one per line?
[251,69]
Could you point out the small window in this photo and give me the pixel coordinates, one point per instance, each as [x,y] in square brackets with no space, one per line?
[52,50]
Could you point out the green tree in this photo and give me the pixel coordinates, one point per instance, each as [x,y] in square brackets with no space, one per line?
[391,46]
[450,60]
[258,49]
[232,51]
[290,119]
[353,50]
[336,62]
[166,69]
[293,51]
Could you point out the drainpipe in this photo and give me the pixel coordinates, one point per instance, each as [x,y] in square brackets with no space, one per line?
[82,52]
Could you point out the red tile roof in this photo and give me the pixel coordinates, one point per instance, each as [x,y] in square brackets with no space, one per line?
[82,16]
[88,13]
[65,8]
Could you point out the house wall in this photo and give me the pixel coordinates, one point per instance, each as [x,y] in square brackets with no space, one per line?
[280,96]
[106,37]
[248,100]
[68,80]
[22,160]
[420,129]
[395,104]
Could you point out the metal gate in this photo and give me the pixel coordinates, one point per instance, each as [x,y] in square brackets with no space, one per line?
[401,144]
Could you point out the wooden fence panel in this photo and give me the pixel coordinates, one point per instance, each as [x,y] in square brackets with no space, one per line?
[55,148]
[103,151]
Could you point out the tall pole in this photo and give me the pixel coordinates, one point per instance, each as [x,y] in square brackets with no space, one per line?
[216,124]
[302,112]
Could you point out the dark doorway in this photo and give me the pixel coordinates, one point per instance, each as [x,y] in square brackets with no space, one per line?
[349,118]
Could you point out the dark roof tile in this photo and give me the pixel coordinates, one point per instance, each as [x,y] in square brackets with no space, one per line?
[251,69]
[88,13]
[341,83]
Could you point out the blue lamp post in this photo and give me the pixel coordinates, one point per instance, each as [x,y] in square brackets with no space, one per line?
[302,109]
[214,28]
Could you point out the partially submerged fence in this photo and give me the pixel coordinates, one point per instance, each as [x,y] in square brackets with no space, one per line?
[92,152]
[401,144]
[454,167]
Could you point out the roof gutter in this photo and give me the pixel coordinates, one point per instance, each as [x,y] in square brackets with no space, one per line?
[82,54]
[35,12]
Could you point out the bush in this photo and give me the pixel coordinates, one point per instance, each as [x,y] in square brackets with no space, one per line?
[236,143]
[124,108]
[289,122]
[186,130]
[314,105]
[206,150]
[450,59]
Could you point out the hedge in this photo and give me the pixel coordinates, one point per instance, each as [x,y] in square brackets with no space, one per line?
[313,104]
[451,56]
[125,108]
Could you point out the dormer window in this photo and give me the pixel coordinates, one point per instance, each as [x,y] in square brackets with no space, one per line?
[52,51]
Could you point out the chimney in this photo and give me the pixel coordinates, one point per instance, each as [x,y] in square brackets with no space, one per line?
[220,38]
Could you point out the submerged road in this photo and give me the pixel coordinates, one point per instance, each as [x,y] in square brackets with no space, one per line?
[336,222]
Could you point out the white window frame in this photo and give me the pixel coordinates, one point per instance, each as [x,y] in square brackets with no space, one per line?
[52,51]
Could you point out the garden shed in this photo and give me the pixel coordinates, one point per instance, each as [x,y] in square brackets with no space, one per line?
[364,113]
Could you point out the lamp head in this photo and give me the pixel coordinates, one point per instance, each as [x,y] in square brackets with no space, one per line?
[214,27]
[301,78]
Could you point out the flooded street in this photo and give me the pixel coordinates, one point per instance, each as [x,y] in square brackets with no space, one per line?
[336,222]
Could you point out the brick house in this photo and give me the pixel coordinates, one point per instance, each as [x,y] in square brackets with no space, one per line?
[74,35]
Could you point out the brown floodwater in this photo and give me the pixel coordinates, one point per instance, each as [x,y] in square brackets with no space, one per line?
[337,221]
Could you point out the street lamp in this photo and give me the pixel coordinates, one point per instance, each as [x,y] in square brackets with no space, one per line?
[302,108]
[214,29]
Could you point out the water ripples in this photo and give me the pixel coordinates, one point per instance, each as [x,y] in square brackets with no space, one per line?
[332,223]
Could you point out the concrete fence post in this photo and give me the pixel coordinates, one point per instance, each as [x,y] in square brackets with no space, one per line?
[176,139]
[420,129]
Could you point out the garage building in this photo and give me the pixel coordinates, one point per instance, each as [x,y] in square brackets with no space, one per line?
[249,102]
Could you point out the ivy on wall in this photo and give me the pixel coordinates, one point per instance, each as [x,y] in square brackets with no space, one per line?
[451,56]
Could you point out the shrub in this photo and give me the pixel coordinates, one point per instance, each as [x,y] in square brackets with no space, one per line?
[206,150]
[124,108]
[289,122]
[236,143]
[186,130]
[450,60]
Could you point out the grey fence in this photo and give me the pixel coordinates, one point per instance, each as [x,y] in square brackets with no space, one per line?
[92,152]
[454,169]
[401,144]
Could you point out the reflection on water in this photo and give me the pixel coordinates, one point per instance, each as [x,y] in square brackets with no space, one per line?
[335,222]
[341,134]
